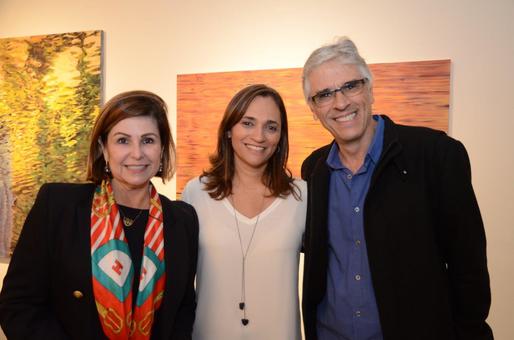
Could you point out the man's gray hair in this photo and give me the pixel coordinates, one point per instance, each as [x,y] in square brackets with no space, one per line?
[344,51]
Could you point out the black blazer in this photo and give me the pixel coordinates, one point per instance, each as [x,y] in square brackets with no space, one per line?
[424,236]
[52,262]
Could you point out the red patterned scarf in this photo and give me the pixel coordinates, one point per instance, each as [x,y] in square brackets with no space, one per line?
[113,272]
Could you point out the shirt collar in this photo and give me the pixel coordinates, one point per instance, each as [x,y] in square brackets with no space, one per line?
[375,149]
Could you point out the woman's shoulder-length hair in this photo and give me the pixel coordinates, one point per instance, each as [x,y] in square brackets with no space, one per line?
[277,177]
[127,105]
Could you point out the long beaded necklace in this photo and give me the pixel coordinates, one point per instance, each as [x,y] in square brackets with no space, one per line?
[244,255]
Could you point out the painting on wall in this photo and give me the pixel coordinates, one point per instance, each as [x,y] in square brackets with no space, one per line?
[412,93]
[50,88]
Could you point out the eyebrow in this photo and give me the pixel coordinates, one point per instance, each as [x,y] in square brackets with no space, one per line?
[328,89]
[128,135]
[269,121]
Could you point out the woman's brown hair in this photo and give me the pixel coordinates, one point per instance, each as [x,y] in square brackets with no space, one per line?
[127,105]
[277,178]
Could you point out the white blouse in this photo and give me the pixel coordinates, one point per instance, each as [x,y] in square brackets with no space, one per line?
[271,278]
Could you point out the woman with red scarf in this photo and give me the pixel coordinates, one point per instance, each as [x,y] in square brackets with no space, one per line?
[112,258]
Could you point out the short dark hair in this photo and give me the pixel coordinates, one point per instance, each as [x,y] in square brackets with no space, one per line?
[218,179]
[127,105]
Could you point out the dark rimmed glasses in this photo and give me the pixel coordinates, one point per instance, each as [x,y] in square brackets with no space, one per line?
[349,89]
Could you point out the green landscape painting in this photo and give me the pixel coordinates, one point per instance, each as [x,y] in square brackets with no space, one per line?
[50,88]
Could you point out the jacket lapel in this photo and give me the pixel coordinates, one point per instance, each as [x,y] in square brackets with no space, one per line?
[172,243]
[317,219]
[391,151]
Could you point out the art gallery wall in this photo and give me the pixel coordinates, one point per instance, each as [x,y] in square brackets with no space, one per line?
[147,43]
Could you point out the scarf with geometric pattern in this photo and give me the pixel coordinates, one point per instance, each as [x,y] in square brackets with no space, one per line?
[113,272]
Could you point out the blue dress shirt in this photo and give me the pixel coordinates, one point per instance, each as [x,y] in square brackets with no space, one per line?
[349,309]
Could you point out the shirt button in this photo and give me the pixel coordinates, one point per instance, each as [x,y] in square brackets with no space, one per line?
[358,242]
[358,313]
[357,209]
[349,176]
[357,277]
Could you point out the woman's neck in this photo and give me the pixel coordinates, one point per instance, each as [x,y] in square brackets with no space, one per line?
[133,197]
[247,177]
[247,183]
[249,194]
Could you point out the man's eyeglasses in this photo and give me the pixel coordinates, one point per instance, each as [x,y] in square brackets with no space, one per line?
[349,89]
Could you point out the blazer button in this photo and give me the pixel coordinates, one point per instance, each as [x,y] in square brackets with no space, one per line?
[78,294]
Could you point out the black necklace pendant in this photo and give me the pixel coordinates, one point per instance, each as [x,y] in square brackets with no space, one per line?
[241,305]
[245,322]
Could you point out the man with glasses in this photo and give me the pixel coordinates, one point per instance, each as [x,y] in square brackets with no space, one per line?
[395,246]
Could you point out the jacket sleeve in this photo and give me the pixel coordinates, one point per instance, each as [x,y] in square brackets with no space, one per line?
[186,313]
[25,301]
[463,243]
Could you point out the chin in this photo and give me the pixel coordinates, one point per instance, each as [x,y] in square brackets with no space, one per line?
[138,183]
[350,137]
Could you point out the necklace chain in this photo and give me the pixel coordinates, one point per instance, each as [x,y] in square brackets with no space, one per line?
[127,221]
[244,254]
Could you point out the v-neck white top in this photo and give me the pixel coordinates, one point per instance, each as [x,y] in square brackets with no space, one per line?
[271,277]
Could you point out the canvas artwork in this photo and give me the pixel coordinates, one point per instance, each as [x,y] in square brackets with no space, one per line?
[412,93]
[50,88]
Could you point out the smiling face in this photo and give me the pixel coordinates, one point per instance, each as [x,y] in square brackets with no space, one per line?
[348,119]
[256,136]
[133,152]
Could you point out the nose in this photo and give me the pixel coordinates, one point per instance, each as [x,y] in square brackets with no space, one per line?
[258,134]
[136,151]
[341,101]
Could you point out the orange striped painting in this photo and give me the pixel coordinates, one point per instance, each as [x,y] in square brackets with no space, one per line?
[412,93]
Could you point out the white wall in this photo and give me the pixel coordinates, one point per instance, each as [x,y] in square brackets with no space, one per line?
[147,43]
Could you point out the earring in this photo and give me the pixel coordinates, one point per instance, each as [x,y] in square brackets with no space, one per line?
[160,168]
[229,134]
[278,149]
[106,168]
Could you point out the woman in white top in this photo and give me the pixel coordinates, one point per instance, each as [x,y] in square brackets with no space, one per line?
[252,217]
